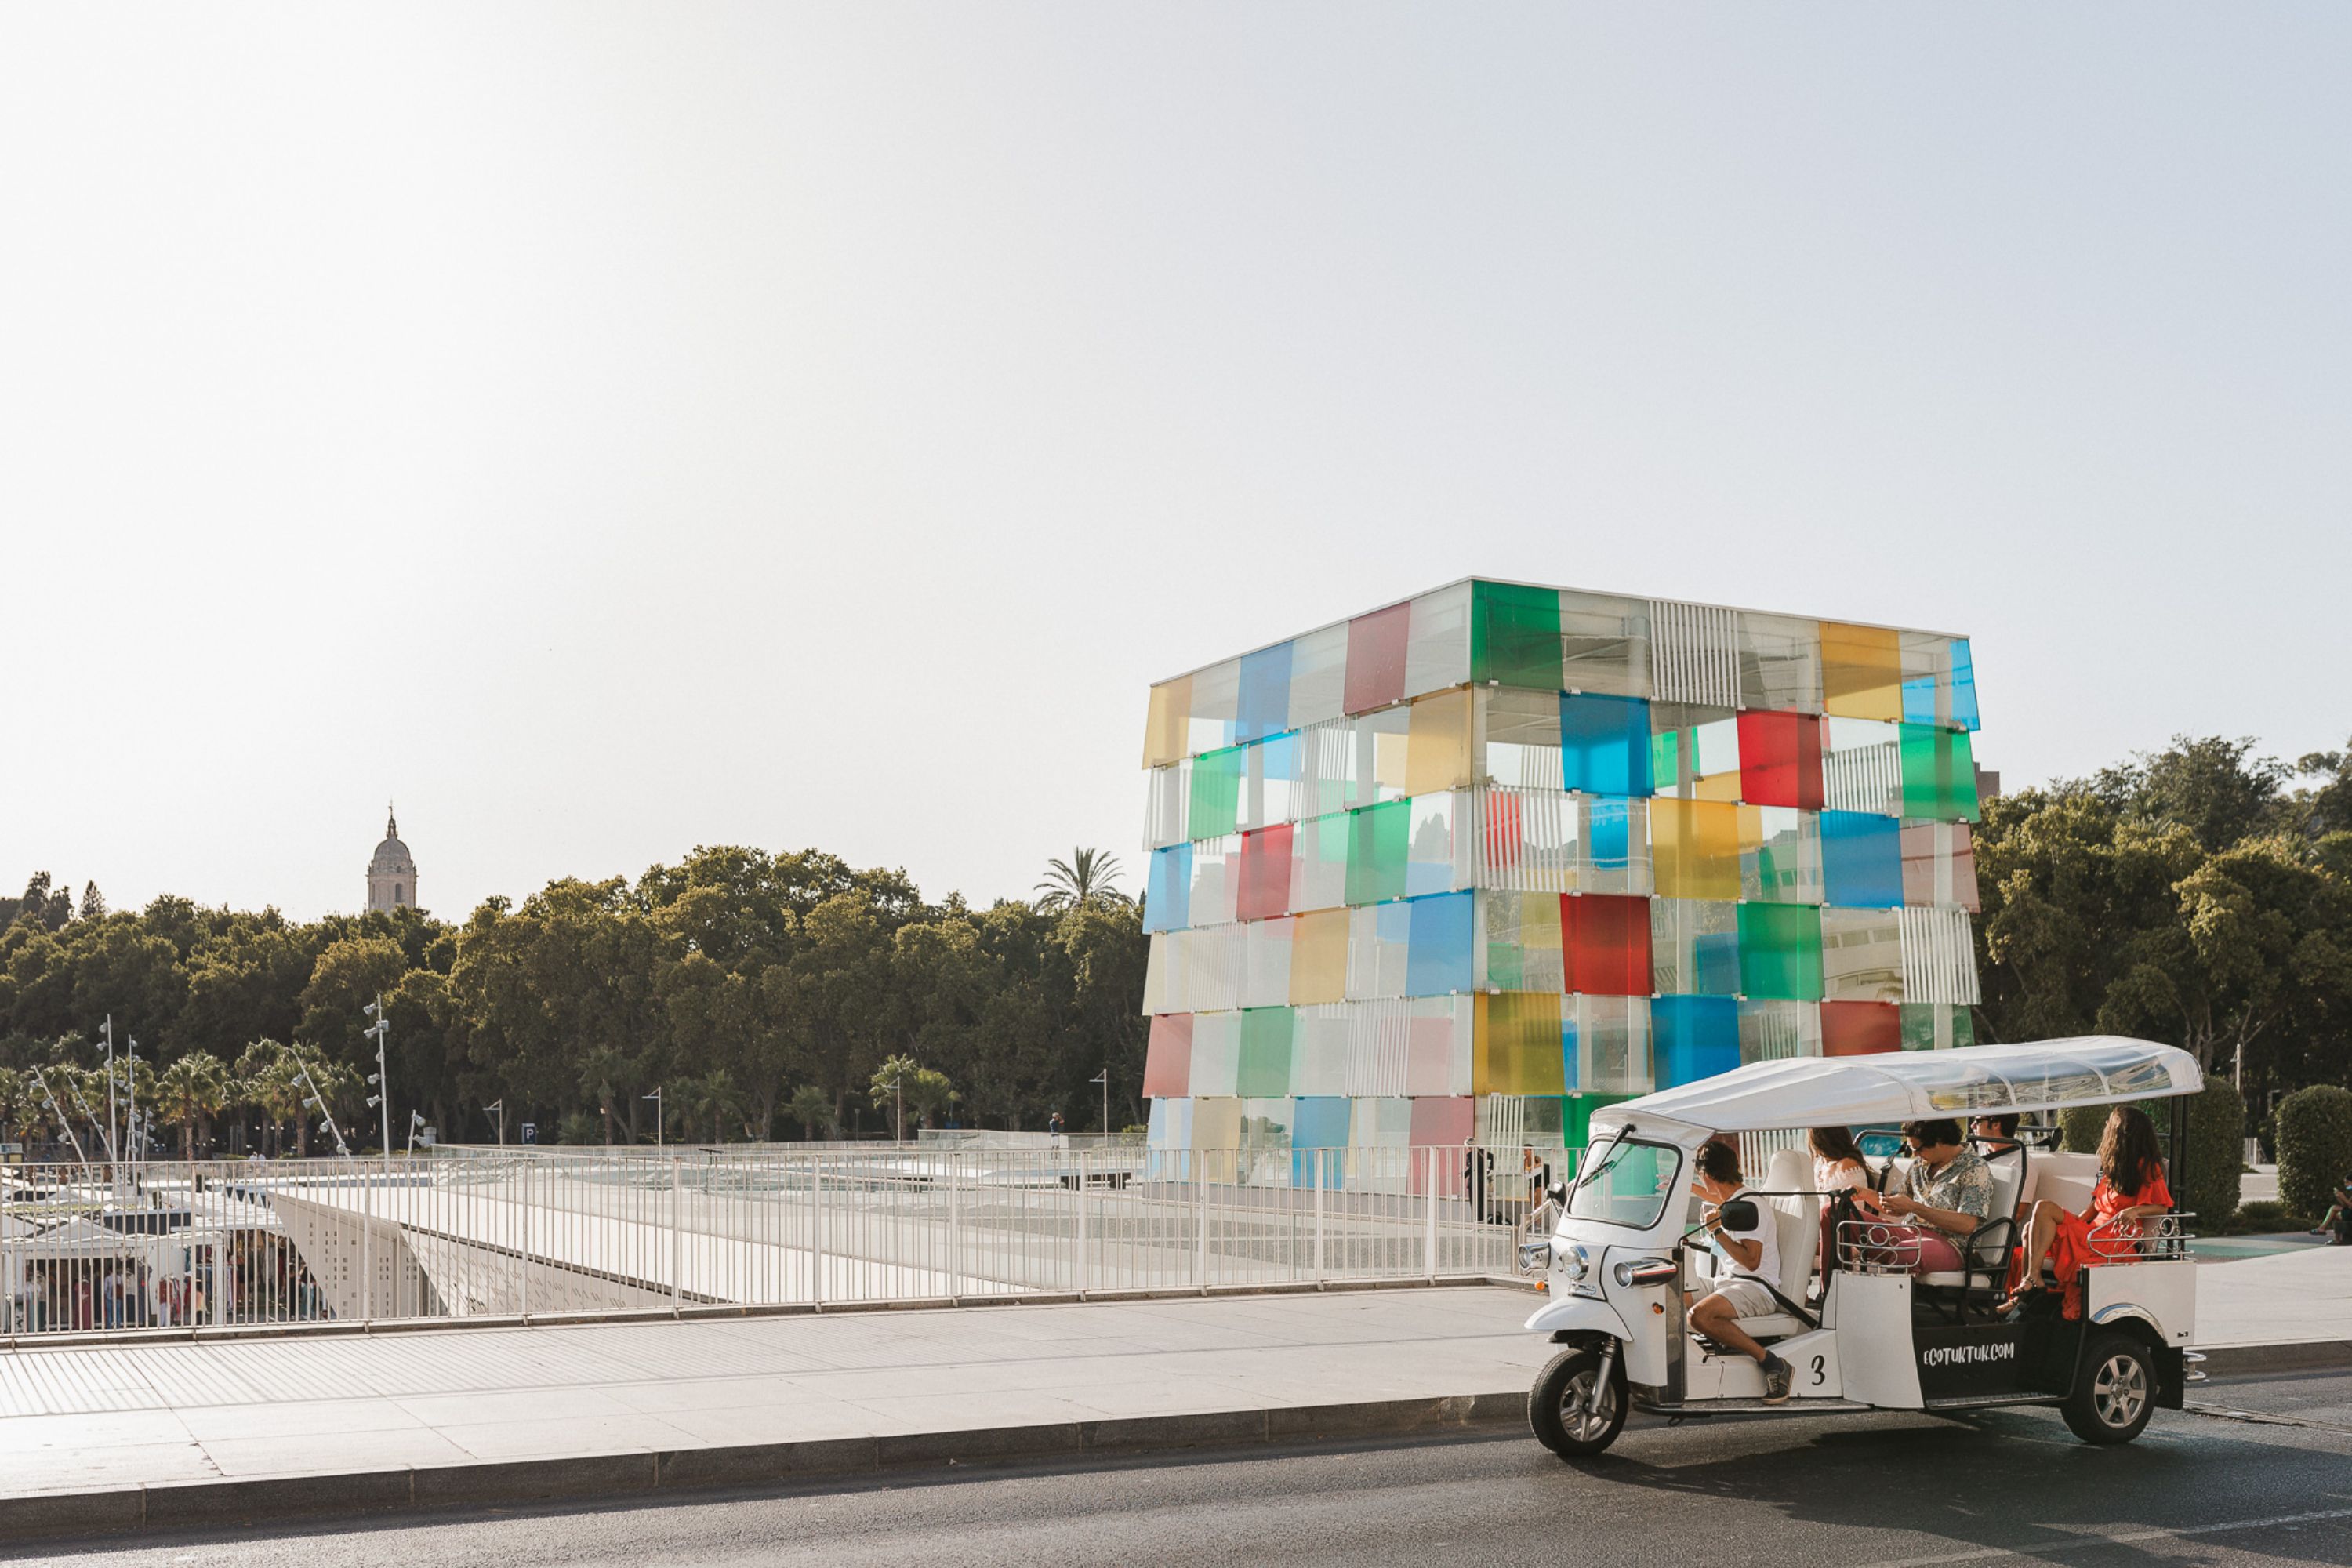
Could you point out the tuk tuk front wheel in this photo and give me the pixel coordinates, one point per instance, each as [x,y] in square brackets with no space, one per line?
[2115,1393]
[1557,1406]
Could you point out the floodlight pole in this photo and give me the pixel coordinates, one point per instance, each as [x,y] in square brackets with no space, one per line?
[113,1145]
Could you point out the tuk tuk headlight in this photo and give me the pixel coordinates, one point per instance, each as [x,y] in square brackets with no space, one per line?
[1535,1257]
[1576,1268]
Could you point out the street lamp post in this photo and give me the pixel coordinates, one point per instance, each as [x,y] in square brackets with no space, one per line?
[657,1097]
[382,1098]
[1103,1077]
[498,1108]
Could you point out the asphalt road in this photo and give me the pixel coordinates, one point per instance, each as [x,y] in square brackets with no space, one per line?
[2269,1484]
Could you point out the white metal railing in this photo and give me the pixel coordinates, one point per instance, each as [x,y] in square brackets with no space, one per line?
[490,1232]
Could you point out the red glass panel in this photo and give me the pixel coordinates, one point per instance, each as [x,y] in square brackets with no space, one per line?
[1608,943]
[1168,1061]
[1780,759]
[1376,645]
[1265,889]
[1445,1125]
[1861,1028]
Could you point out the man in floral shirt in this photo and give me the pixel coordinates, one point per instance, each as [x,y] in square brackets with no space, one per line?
[1947,1195]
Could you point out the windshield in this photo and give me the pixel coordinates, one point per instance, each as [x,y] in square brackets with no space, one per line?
[1626,1183]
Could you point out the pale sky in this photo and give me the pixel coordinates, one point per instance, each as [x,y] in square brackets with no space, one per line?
[610,428]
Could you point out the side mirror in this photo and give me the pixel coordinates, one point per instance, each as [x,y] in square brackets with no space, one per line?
[1558,1193]
[1738,1213]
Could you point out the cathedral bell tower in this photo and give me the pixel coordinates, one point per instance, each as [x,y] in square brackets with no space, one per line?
[392,875]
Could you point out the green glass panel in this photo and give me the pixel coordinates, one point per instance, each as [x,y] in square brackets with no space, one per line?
[1939,775]
[1377,837]
[1578,1131]
[1215,807]
[1515,635]
[1781,952]
[1665,761]
[1265,1053]
[1936,1025]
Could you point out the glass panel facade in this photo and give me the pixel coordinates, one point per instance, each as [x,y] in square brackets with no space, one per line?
[1607,944]
[1694,947]
[1476,864]
[1862,860]
[1940,775]
[1605,744]
[1861,672]
[1515,637]
[1695,846]
[1781,952]
[1377,840]
[1376,650]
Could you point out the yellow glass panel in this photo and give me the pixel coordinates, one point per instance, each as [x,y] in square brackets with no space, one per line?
[1216,1124]
[1695,845]
[1439,753]
[1516,1044]
[1164,732]
[1319,957]
[1861,672]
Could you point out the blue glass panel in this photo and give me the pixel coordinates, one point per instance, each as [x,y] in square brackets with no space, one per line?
[1167,891]
[1716,958]
[1964,685]
[1265,693]
[1862,860]
[1604,743]
[1608,844]
[1697,1037]
[1570,1056]
[1438,961]
[1319,1122]
[1919,700]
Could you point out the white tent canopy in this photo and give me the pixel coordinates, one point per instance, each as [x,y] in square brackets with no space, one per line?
[1899,1086]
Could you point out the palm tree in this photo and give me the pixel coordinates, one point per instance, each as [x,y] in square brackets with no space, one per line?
[812,1107]
[1084,878]
[191,1091]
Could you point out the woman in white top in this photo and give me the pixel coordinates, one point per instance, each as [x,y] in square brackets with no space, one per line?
[1838,1167]
[1837,1164]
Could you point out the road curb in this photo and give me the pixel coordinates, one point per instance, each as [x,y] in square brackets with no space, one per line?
[2307,1355]
[196,1505]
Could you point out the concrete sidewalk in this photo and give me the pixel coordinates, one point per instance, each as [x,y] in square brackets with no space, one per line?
[73,1421]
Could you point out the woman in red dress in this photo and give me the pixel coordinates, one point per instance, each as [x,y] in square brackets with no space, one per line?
[2131,1188]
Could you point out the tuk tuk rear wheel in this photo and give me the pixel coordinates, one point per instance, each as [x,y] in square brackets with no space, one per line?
[1556,1406]
[2115,1393]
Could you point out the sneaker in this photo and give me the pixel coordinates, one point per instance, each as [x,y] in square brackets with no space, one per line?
[1777,1375]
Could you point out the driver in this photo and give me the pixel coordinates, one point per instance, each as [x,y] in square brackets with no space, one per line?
[1751,1258]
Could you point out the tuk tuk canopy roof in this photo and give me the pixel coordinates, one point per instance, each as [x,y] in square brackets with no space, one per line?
[1902,1086]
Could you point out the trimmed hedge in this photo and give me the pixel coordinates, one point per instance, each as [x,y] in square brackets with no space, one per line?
[2079,1127]
[2217,1146]
[2217,1155]
[2315,1146]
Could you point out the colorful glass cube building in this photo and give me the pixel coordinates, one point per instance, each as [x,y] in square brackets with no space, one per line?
[1477,864]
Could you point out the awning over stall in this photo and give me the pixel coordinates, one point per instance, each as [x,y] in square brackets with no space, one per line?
[1899,1086]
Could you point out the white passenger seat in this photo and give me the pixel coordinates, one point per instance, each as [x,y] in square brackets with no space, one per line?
[1797,1228]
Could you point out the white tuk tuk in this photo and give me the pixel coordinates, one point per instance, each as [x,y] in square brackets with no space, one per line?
[1861,1330]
